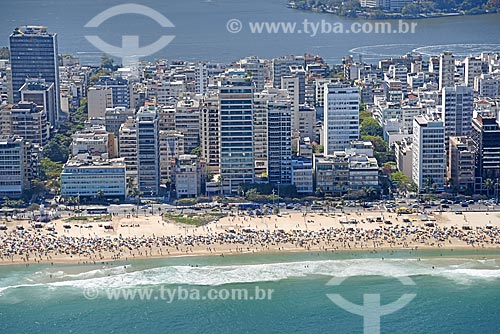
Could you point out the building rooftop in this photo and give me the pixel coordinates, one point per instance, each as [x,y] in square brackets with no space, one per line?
[86,160]
[36,85]
[29,30]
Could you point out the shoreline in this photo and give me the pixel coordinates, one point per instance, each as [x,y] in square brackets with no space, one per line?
[150,237]
[469,250]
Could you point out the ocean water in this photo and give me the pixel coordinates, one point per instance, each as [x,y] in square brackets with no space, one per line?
[455,292]
[201,34]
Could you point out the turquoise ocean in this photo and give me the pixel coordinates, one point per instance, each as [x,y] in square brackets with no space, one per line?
[456,292]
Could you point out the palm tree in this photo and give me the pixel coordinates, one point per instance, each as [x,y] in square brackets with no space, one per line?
[168,183]
[135,193]
[489,184]
[130,186]
[371,192]
[100,194]
[221,184]
[429,182]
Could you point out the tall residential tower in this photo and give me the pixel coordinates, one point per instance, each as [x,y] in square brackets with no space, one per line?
[33,54]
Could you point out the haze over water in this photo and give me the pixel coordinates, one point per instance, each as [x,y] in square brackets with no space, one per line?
[201,34]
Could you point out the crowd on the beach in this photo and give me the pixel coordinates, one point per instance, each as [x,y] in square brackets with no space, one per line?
[37,246]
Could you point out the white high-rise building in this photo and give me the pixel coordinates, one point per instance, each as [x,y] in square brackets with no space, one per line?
[295,84]
[12,166]
[201,78]
[167,90]
[171,147]
[400,73]
[30,122]
[428,165]
[260,118]
[320,90]
[148,164]
[291,84]
[236,133]
[488,85]
[279,141]
[187,176]
[446,70]
[209,131]
[187,121]
[98,100]
[257,67]
[281,67]
[341,117]
[457,111]
[41,93]
[473,69]
[300,73]
[127,148]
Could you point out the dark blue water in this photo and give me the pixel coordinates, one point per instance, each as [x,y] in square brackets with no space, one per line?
[455,293]
[201,34]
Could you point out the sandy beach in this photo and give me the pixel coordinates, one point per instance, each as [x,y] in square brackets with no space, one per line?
[151,236]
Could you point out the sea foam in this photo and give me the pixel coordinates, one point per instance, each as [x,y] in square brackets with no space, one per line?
[461,271]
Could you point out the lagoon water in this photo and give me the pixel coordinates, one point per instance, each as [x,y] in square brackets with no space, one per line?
[456,292]
[201,34]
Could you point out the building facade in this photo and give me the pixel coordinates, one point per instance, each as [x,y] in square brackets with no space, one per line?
[461,163]
[43,95]
[12,167]
[85,176]
[187,176]
[486,137]
[341,117]
[236,129]
[33,54]
[148,164]
[30,122]
[279,142]
[428,165]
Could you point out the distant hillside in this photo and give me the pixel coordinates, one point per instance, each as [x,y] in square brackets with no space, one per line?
[468,6]
[418,8]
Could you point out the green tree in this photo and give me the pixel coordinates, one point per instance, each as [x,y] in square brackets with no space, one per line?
[364,114]
[379,144]
[319,149]
[196,151]
[252,195]
[50,169]
[370,127]
[108,63]
[401,180]
[50,173]
[57,149]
